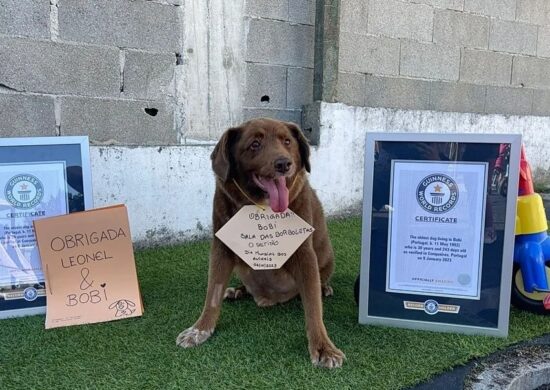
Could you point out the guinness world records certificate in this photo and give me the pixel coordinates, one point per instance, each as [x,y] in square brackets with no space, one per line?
[436,228]
[30,191]
[39,177]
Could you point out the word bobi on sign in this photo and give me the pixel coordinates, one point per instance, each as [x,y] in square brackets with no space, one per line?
[262,238]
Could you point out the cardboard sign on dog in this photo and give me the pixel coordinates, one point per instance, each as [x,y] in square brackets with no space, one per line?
[262,238]
[89,265]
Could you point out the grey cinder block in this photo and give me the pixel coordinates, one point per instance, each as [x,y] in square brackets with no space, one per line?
[353,16]
[301,11]
[351,89]
[429,60]
[513,37]
[485,67]
[457,97]
[266,86]
[299,87]
[534,11]
[294,116]
[400,20]
[271,9]
[148,75]
[531,72]
[541,103]
[504,9]
[368,54]
[115,121]
[280,43]
[135,24]
[48,67]
[543,42]
[508,101]
[461,29]
[397,93]
[445,4]
[26,115]
[30,18]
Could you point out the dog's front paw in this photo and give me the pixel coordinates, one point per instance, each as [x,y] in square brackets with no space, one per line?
[191,337]
[327,355]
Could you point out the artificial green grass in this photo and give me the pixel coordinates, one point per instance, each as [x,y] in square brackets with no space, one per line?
[252,347]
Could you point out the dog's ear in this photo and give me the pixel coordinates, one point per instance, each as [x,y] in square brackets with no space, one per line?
[303,144]
[222,156]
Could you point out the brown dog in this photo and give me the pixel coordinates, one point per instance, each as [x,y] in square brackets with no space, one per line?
[269,159]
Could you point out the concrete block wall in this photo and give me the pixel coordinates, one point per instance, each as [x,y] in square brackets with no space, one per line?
[481,56]
[160,72]
[104,68]
[157,72]
[279,58]
[152,72]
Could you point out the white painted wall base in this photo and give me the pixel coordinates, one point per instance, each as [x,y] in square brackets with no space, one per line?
[169,190]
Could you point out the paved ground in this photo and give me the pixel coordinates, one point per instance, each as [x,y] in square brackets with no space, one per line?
[460,377]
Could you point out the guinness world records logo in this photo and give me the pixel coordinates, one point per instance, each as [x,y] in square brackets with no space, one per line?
[30,294]
[437,193]
[431,307]
[24,191]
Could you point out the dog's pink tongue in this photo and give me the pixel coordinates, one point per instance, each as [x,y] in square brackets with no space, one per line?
[278,194]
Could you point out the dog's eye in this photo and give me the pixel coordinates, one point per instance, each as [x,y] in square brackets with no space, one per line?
[287,141]
[255,145]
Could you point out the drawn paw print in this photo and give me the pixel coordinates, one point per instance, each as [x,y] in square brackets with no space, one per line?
[123,307]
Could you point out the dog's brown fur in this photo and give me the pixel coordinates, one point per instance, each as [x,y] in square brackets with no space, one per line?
[307,272]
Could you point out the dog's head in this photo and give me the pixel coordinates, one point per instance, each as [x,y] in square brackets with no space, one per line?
[263,156]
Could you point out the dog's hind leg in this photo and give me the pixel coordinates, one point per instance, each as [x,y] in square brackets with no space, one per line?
[327,291]
[325,273]
[235,293]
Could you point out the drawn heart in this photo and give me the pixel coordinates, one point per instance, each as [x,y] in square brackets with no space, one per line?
[103,284]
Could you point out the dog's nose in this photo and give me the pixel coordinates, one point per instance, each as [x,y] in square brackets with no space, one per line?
[282,165]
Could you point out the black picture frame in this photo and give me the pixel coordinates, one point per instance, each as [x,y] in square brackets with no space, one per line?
[425,308]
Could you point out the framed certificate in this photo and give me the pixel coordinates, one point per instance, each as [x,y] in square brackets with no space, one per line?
[39,178]
[438,231]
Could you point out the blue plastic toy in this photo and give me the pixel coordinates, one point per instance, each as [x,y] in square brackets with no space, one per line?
[532,248]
